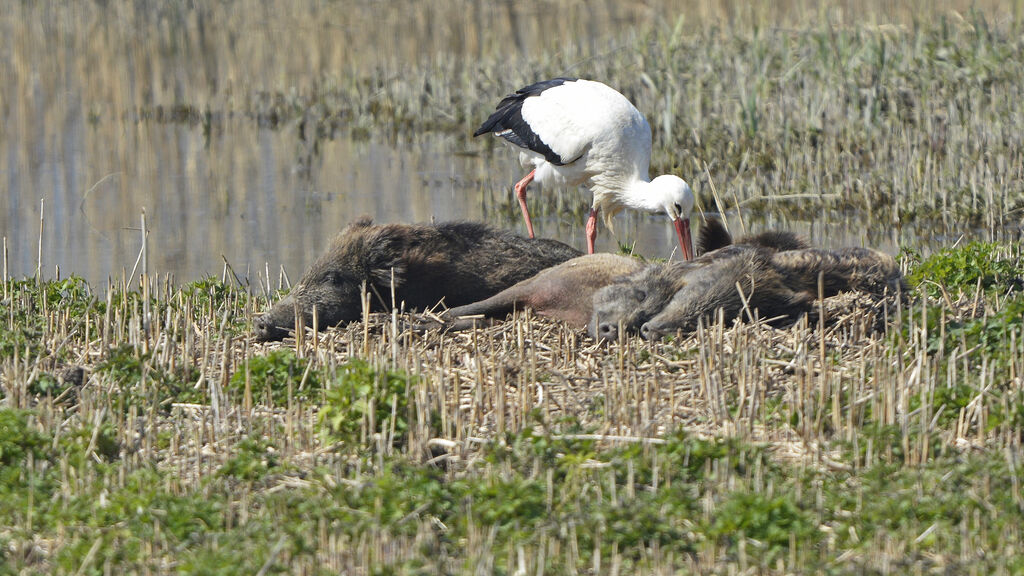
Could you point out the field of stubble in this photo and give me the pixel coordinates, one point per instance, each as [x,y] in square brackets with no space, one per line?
[142,430]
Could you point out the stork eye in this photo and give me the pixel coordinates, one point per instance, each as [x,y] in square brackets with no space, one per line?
[679,209]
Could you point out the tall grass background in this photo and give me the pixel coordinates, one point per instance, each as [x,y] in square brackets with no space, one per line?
[262,128]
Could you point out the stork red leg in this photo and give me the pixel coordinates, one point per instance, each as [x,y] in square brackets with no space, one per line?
[521,194]
[591,230]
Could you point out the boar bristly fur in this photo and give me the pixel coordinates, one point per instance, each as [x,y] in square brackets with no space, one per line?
[423,265]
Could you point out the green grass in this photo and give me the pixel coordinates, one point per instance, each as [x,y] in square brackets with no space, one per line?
[986,266]
[277,378]
[361,399]
[682,499]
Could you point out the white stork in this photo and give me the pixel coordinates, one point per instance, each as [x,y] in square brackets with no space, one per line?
[571,132]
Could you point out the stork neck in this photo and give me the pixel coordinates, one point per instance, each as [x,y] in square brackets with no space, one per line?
[616,191]
[643,195]
[634,193]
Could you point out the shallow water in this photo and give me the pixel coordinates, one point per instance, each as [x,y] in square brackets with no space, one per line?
[250,198]
[263,198]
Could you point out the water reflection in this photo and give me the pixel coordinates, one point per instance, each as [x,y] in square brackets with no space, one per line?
[246,196]
[77,79]
[253,197]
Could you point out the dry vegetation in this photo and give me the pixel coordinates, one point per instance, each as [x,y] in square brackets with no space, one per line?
[142,430]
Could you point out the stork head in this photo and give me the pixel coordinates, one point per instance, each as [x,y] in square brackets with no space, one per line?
[676,199]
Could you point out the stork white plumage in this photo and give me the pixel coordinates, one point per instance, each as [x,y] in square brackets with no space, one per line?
[571,131]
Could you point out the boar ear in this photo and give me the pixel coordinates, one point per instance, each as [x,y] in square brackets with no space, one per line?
[363,221]
[712,236]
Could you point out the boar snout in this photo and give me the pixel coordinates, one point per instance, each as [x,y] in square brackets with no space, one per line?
[607,331]
[266,330]
[649,332]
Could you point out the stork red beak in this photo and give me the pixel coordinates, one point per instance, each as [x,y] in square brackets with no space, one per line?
[683,232]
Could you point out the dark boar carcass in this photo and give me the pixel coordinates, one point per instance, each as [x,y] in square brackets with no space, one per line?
[456,262]
[777,286]
[631,300]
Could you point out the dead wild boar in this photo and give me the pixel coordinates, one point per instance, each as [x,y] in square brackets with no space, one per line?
[844,269]
[628,302]
[746,280]
[777,286]
[563,292]
[455,262]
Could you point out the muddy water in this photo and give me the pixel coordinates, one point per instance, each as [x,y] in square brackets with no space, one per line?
[257,199]
[252,197]
[72,80]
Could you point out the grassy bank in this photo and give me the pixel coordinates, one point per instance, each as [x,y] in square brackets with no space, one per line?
[142,431]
